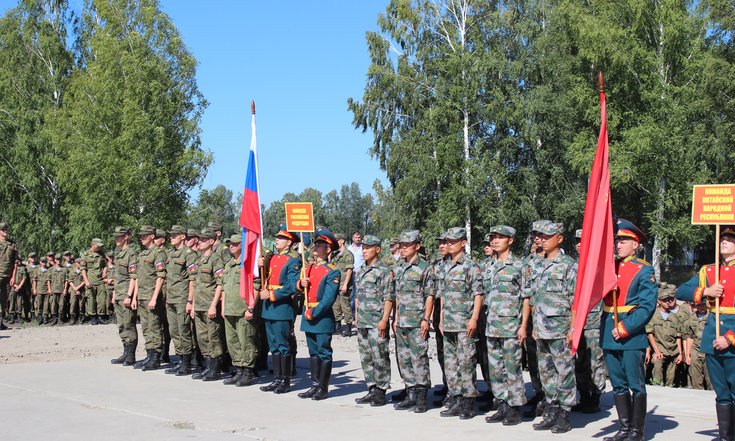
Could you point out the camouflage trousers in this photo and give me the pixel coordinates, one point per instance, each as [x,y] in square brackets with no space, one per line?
[460,361]
[589,368]
[375,357]
[126,326]
[15,302]
[698,376]
[412,353]
[179,327]
[664,370]
[75,304]
[506,373]
[556,369]
[242,340]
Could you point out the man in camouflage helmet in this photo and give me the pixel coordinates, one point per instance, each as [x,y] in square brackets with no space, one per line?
[125,279]
[344,260]
[8,257]
[413,307]
[461,301]
[93,273]
[372,310]
[508,311]
[552,295]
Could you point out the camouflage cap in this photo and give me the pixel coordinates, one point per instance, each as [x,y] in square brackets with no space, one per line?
[442,236]
[370,240]
[340,236]
[160,232]
[394,240]
[409,236]
[67,253]
[503,230]
[146,229]
[207,233]
[215,226]
[3,225]
[488,237]
[177,229]
[550,228]
[537,225]
[578,234]
[51,253]
[666,290]
[235,238]
[121,231]
[456,233]
[57,256]
[191,232]
[97,241]
[32,254]
[43,259]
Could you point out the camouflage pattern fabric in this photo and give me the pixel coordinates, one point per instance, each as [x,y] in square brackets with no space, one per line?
[412,352]
[666,331]
[375,357]
[556,368]
[503,284]
[459,361]
[589,369]
[462,283]
[552,296]
[506,375]
[373,286]
[698,376]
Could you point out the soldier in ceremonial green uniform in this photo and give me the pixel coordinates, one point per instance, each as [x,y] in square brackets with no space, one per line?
[695,358]
[180,291]
[160,242]
[241,319]
[667,331]
[76,292]
[18,293]
[719,350]
[8,258]
[413,308]
[461,302]
[552,294]
[320,285]
[59,286]
[508,311]
[147,300]
[282,274]
[125,277]
[207,311]
[373,286]
[93,273]
[625,344]
[344,260]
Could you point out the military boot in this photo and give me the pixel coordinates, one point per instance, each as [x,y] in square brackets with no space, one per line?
[324,374]
[378,397]
[549,418]
[12,318]
[454,409]
[467,411]
[247,378]
[130,357]
[286,371]
[498,416]
[207,366]
[562,423]
[315,364]
[143,362]
[638,416]
[725,421]
[215,371]
[94,320]
[54,319]
[172,368]
[235,378]
[623,406]
[584,397]
[276,361]
[399,396]
[120,359]
[593,405]
[184,366]
[154,362]
[512,416]
[409,402]
[367,398]
[44,320]
[421,395]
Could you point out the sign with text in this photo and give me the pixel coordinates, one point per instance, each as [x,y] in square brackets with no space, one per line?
[713,204]
[299,217]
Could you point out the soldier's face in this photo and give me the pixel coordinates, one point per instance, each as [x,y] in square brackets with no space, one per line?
[500,243]
[176,239]
[370,252]
[455,246]
[322,250]
[578,246]
[282,243]
[146,240]
[192,242]
[393,248]
[537,239]
[205,244]
[95,248]
[727,246]
[120,241]
[408,250]
[159,241]
[235,248]
[4,233]
[443,247]
[550,242]
[626,247]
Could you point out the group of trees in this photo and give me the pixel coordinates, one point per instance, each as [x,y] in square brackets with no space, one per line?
[486,112]
[99,120]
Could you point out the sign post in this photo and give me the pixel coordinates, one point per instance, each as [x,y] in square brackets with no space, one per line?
[300,219]
[714,205]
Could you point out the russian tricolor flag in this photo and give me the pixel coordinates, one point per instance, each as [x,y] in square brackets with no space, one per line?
[251,223]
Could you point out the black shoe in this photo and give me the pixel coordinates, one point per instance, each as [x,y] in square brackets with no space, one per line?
[45,319]
[143,362]
[498,416]
[184,366]
[378,397]
[467,409]
[120,359]
[235,378]
[246,379]
[638,414]
[315,364]
[584,397]
[154,361]
[347,330]
[455,409]
[441,392]
[409,402]
[399,396]
[94,320]
[550,414]
[420,395]
[623,405]
[204,372]
[512,416]
[725,421]
[324,374]
[276,361]
[286,369]
[54,320]
[593,405]
[367,398]
[12,318]
[3,327]
[562,423]
[215,371]
[130,358]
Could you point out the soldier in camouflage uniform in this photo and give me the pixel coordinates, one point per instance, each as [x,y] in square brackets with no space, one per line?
[665,335]
[59,286]
[552,294]
[373,286]
[434,283]
[76,293]
[344,260]
[18,289]
[461,302]
[109,286]
[160,241]
[413,308]
[508,310]
[192,242]
[8,258]
[147,300]
[589,367]
[93,273]
[33,268]
[219,247]
[394,255]
[124,279]
[694,358]
[43,290]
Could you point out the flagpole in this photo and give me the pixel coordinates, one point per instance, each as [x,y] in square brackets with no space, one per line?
[261,268]
[717,279]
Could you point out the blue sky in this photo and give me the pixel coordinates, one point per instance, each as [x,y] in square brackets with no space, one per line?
[299,61]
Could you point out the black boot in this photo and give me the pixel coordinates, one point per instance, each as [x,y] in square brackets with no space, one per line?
[172,368]
[584,397]
[367,398]
[623,405]
[215,371]
[549,418]
[207,366]
[184,366]
[467,411]
[512,416]
[420,393]
[130,358]
[315,364]
[593,405]
[94,320]
[44,320]
[143,362]
[154,361]
[11,318]
[54,320]
[725,421]
[409,402]
[197,360]
[638,415]
[247,378]
[120,359]
[276,362]
[454,409]
[235,378]
[286,369]
[347,330]
[324,374]
[399,396]
[498,416]
[378,397]
[562,424]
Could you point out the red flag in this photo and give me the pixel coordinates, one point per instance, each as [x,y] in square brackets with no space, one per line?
[596,273]
[251,223]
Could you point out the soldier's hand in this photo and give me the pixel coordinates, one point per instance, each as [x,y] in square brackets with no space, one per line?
[126,301]
[424,329]
[616,334]
[521,333]
[648,358]
[86,284]
[658,355]
[382,327]
[570,337]
[133,304]
[264,294]
[721,343]
[151,305]
[191,313]
[714,291]
[471,327]
[248,315]
[189,308]
[679,359]
[305,284]
[212,312]
[394,325]
[688,360]
[261,261]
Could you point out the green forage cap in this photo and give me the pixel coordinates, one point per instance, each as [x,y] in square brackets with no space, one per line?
[369,239]
[97,241]
[207,234]
[536,226]
[235,238]
[503,230]
[177,229]
[409,236]
[146,229]
[121,231]
[552,228]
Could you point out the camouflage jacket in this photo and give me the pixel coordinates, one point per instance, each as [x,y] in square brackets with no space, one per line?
[461,285]
[696,328]
[435,278]
[503,283]
[373,286]
[666,330]
[552,294]
[410,292]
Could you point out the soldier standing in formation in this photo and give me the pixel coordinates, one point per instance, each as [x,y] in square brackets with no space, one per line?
[508,311]
[43,289]
[345,263]
[18,288]
[126,265]
[533,264]
[435,283]
[8,257]
[695,358]
[664,330]
[625,343]
[93,273]
[59,286]
[76,295]
[373,286]
[179,291]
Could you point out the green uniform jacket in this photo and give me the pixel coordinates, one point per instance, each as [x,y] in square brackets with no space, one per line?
[177,275]
[126,268]
[93,263]
[151,265]
[503,283]
[58,277]
[552,295]
[209,270]
[234,305]
[8,255]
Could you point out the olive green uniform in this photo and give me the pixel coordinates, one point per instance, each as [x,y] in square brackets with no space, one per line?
[344,260]
[242,334]
[94,264]
[666,329]
[209,269]
[126,270]
[8,257]
[57,276]
[698,377]
[43,279]
[75,297]
[17,298]
[178,267]
[151,266]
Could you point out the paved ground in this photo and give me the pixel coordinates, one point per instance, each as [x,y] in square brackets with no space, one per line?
[62,387]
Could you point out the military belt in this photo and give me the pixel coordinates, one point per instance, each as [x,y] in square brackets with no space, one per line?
[624,308]
[726,310]
[311,304]
[274,287]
